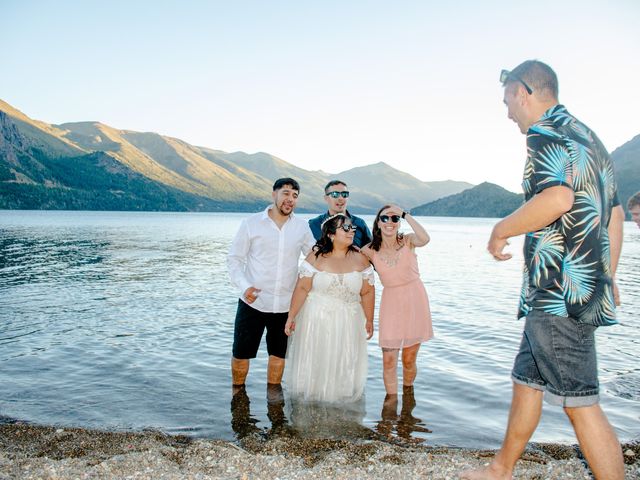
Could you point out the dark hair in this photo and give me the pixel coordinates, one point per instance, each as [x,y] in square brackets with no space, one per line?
[377,233]
[332,183]
[324,244]
[281,182]
[539,76]
[634,201]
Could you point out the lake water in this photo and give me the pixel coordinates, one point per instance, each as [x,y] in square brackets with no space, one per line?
[125,321]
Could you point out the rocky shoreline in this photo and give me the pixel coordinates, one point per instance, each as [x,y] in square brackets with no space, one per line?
[40,452]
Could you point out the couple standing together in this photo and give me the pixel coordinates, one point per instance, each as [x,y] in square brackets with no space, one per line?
[328,312]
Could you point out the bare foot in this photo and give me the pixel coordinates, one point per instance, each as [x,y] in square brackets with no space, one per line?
[489,472]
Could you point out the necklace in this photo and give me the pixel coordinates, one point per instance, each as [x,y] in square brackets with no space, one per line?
[391,259]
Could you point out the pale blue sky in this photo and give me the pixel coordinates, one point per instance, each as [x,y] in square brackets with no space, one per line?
[324,85]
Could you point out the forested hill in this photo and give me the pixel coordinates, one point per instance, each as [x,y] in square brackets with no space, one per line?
[484,200]
[93,166]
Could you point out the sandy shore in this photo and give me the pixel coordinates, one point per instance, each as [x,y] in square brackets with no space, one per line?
[35,452]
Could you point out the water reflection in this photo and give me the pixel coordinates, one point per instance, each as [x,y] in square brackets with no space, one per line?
[244,424]
[275,410]
[329,420]
[393,426]
[97,309]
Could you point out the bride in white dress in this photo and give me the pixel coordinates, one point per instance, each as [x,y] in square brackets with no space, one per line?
[330,319]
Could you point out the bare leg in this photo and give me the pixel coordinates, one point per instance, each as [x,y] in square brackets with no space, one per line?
[598,441]
[409,367]
[526,408]
[239,370]
[390,371]
[275,369]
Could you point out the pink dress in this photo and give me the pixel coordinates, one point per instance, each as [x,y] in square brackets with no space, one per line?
[404,316]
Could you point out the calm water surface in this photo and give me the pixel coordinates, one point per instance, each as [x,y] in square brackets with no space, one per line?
[125,321]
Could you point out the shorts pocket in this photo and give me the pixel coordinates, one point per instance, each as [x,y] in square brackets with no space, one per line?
[587,333]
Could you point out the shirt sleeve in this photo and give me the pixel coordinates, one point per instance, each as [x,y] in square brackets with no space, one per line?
[616,200]
[367,233]
[237,257]
[551,164]
[308,242]
[314,225]
[368,275]
[306,270]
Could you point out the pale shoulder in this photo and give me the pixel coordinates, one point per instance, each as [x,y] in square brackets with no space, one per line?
[360,260]
[367,251]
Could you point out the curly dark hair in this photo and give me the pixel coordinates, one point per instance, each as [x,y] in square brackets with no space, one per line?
[324,244]
[377,233]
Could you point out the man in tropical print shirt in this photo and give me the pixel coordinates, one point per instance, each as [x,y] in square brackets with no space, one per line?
[573,225]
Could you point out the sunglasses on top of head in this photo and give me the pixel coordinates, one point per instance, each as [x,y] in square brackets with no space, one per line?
[392,218]
[348,227]
[506,75]
[335,194]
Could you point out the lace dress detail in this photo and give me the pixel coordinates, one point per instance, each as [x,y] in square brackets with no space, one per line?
[306,270]
[368,275]
[327,353]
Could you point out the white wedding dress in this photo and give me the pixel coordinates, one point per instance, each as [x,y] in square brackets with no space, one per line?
[327,353]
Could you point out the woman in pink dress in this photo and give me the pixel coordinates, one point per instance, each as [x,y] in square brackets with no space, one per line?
[404,315]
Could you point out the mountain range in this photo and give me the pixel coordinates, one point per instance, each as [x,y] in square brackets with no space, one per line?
[484,200]
[490,200]
[93,166]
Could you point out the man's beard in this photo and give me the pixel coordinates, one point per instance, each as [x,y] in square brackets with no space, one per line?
[282,212]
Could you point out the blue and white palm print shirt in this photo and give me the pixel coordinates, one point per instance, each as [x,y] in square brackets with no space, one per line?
[567,270]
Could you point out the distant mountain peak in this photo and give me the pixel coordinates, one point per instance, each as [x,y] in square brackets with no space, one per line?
[88,161]
[483,200]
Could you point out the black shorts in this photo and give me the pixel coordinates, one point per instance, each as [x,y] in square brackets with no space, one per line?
[249,327]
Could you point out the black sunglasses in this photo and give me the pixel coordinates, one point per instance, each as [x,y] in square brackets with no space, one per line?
[344,194]
[347,227]
[393,218]
[506,75]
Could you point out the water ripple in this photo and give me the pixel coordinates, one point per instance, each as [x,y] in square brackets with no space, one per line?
[124,320]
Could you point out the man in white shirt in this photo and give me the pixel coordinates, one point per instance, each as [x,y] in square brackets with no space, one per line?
[263,264]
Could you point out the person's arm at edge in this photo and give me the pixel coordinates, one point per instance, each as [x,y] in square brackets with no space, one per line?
[367,298]
[367,233]
[237,258]
[300,292]
[541,210]
[420,237]
[616,230]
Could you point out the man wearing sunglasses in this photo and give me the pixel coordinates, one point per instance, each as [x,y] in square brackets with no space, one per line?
[336,195]
[572,222]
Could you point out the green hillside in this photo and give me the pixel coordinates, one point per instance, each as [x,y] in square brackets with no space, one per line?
[484,200]
[89,165]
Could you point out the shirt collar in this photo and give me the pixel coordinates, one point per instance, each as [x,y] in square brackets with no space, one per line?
[327,214]
[265,213]
[553,112]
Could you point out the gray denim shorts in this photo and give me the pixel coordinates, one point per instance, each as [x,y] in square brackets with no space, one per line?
[558,356]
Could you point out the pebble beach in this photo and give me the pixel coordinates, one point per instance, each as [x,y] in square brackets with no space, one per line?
[41,452]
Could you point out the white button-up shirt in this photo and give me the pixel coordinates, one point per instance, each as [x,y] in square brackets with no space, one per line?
[267,257]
